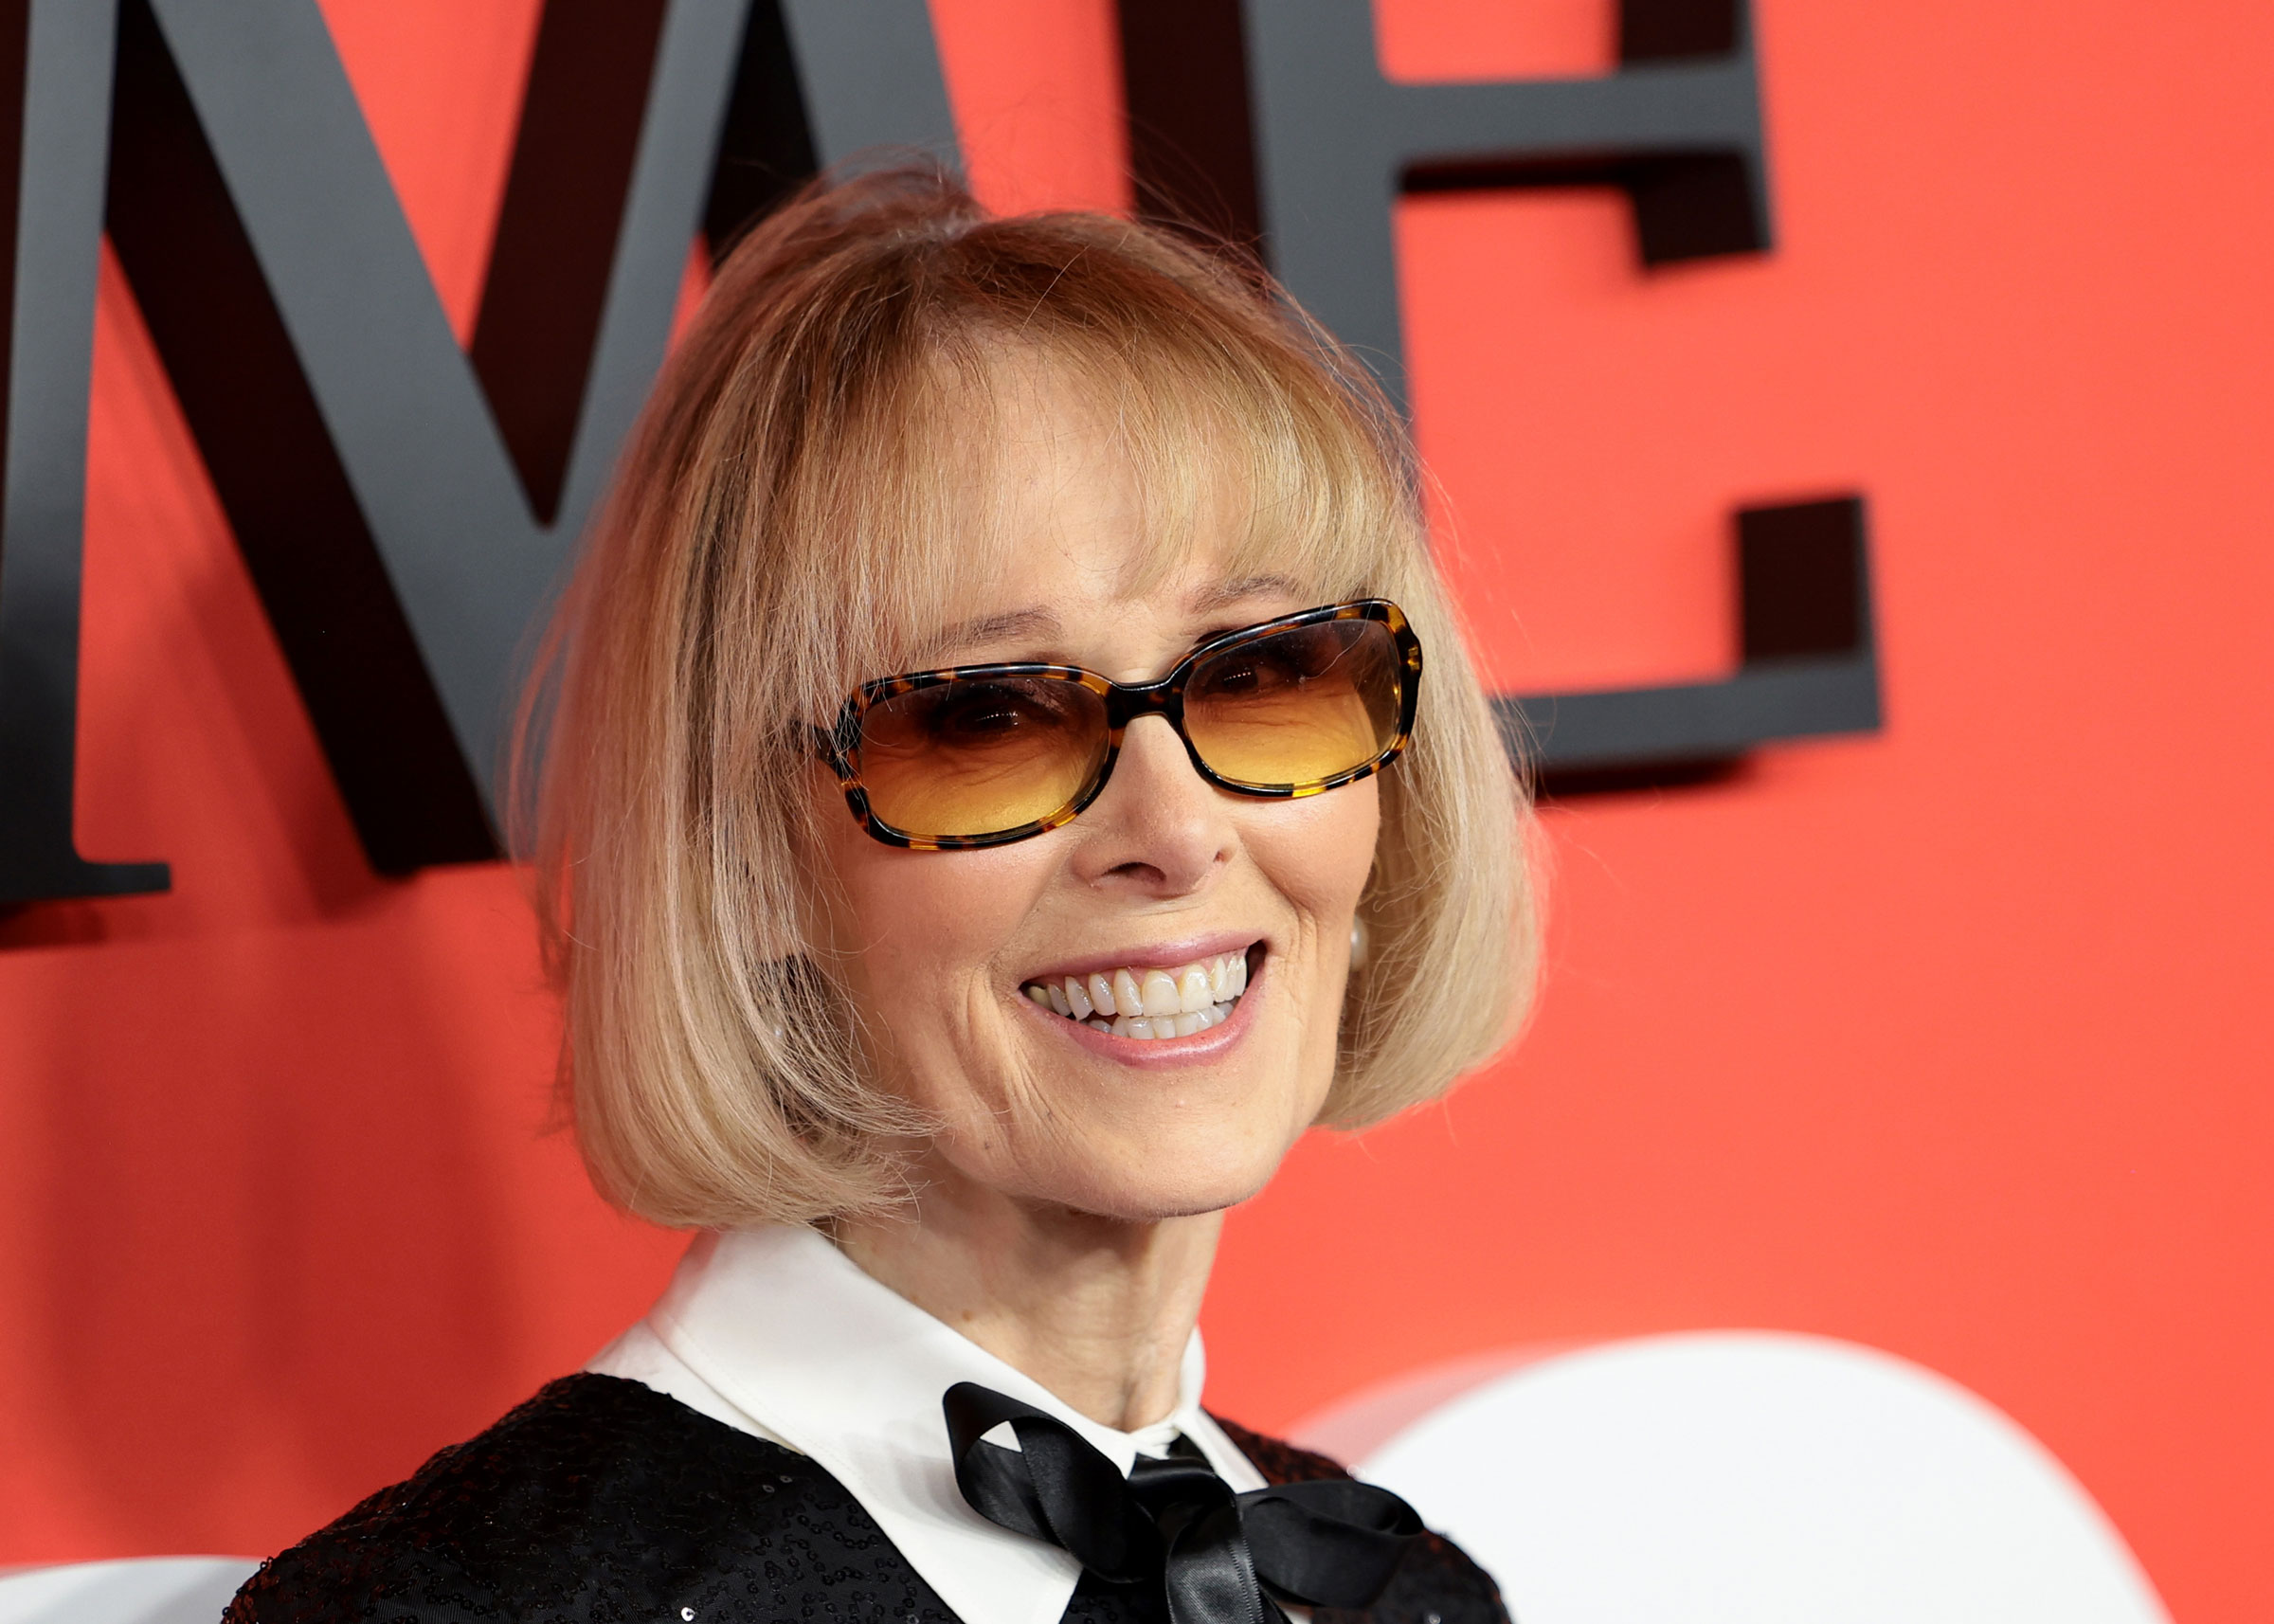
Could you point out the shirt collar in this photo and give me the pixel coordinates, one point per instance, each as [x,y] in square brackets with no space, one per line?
[788,1330]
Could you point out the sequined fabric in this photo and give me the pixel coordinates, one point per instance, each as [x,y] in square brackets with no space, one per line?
[603,1502]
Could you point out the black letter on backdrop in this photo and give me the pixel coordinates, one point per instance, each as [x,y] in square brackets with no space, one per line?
[55,62]
[405,509]
[1809,666]
[1271,121]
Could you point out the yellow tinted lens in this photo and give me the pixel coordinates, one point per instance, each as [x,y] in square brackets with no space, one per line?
[1298,706]
[979,756]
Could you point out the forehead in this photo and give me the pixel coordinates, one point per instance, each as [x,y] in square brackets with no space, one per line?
[1059,482]
[1024,503]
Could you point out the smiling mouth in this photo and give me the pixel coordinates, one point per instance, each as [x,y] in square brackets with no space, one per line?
[1148,1004]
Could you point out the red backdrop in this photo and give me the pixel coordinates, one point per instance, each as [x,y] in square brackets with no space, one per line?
[1953,1040]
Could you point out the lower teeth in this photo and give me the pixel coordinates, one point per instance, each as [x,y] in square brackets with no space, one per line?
[1139,1027]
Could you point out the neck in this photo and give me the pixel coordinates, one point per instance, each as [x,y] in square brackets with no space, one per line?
[1097,1309]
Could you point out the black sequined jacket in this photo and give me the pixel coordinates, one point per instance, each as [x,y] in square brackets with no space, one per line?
[601,1501]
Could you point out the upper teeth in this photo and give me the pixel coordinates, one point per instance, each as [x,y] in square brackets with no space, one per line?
[1149,1002]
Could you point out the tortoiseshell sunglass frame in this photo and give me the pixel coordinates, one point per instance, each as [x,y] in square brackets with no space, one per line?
[839,746]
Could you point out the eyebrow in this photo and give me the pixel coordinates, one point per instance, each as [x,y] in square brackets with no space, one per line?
[1042,623]
[1239,590]
[998,628]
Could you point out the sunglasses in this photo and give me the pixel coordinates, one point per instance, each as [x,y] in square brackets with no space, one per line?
[982,755]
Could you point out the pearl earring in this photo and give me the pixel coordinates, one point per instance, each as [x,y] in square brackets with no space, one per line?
[1358,944]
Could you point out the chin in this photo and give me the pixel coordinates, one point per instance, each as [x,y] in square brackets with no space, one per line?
[1173,1184]
[1157,1207]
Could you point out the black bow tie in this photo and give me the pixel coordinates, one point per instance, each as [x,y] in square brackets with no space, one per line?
[1327,1543]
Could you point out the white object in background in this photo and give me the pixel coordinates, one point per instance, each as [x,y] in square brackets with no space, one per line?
[1742,1478]
[153,1590]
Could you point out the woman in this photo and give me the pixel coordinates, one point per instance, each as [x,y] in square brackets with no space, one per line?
[990,812]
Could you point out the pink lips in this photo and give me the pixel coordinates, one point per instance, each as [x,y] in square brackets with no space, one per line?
[1159,956]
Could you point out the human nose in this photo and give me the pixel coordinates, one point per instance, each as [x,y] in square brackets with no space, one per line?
[1158,828]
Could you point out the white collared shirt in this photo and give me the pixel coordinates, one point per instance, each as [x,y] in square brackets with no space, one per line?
[778,1333]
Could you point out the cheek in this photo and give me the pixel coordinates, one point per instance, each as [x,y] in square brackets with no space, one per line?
[919,931]
[1318,857]
[1318,851]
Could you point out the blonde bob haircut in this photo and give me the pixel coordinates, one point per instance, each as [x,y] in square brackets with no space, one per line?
[797,513]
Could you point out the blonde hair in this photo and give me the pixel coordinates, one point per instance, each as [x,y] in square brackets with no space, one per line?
[785,525]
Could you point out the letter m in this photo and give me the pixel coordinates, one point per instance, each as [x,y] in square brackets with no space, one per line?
[405,506]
